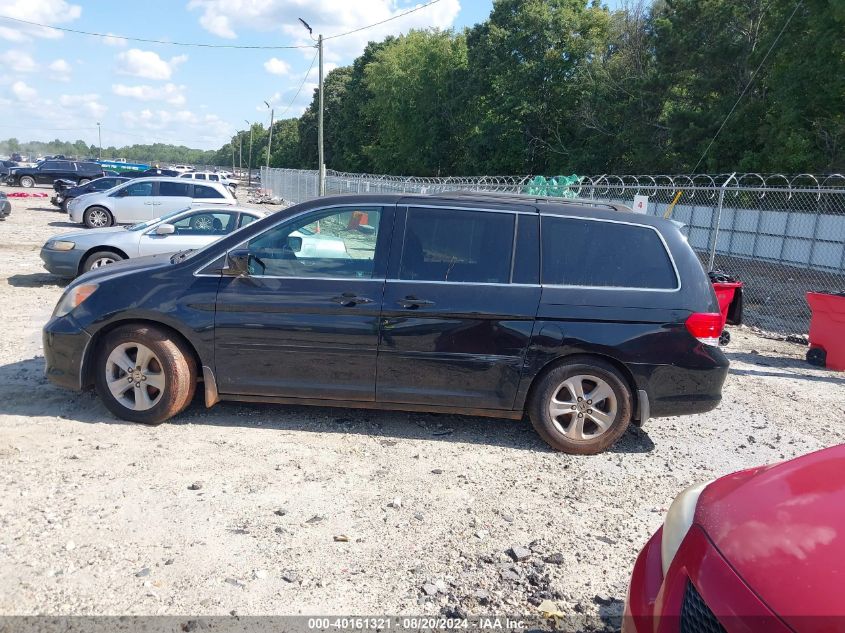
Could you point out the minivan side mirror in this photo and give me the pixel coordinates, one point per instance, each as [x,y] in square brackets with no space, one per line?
[165,229]
[240,262]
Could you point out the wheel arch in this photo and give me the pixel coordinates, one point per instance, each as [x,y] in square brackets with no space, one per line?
[586,356]
[94,249]
[93,347]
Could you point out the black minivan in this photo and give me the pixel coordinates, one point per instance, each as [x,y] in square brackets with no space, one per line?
[585,315]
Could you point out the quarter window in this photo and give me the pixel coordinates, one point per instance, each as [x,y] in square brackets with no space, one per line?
[331,243]
[204,191]
[453,245]
[592,253]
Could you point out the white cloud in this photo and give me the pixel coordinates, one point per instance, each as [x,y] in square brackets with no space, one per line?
[226,17]
[179,126]
[50,12]
[276,66]
[114,40]
[23,92]
[87,103]
[60,70]
[18,61]
[147,64]
[169,93]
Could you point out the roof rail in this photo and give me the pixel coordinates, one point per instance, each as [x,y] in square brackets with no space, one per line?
[524,197]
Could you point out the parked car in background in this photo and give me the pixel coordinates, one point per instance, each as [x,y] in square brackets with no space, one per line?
[582,314]
[48,171]
[151,172]
[64,195]
[758,550]
[5,206]
[143,199]
[210,176]
[72,254]
[5,167]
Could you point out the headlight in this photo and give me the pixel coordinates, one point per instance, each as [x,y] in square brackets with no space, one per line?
[678,522]
[73,297]
[60,245]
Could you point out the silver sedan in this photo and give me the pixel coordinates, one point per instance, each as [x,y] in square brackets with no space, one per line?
[72,254]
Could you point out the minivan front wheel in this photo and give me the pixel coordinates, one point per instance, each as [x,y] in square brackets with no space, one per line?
[97,217]
[581,407]
[144,375]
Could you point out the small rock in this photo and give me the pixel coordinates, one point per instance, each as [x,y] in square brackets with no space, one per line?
[169,561]
[259,574]
[315,519]
[429,589]
[197,485]
[235,582]
[396,503]
[280,512]
[144,572]
[341,538]
[279,530]
[602,600]
[481,534]
[605,539]
[481,596]
[441,585]
[418,516]
[507,517]
[290,577]
[508,574]
[437,471]
[70,545]
[554,559]
[519,553]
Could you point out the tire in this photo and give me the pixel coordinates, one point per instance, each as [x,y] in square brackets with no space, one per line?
[97,217]
[83,181]
[202,222]
[817,357]
[27,182]
[100,258]
[63,206]
[561,383]
[163,387]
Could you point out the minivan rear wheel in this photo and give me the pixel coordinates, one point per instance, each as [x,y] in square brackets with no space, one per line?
[144,375]
[581,407]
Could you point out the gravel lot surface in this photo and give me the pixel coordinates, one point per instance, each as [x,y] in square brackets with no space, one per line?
[286,510]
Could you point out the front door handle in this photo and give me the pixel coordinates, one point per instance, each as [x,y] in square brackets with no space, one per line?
[412,303]
[348,299]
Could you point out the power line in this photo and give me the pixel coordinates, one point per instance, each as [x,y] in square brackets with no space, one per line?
[151,41]
[302,85]
[395,17]
[748,85]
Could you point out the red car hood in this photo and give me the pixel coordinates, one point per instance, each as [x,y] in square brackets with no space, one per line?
[782,528]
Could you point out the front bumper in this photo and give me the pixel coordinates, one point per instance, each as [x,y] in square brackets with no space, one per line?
[62,263]
[65,344]
[56,201]
[656,604]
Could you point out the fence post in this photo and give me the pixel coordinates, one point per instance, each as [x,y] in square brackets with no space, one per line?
[718,221]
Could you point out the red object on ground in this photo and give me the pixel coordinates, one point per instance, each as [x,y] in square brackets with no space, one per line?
[725,294]
[25,194]
[764,553]
[827,327]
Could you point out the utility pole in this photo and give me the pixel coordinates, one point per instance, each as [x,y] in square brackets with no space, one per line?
[249,161]
[233,158]
[270,140]
[321,163]
[100,140]
[241,150]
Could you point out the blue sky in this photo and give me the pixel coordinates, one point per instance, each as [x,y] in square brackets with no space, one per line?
[59,85]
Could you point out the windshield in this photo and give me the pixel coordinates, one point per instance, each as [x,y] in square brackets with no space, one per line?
[145,225]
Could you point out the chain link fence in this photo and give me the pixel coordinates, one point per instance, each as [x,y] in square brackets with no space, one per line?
[780,235]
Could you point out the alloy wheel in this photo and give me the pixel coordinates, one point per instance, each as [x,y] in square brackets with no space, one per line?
[102,261]
[134,376]
[98,218]
[583,407]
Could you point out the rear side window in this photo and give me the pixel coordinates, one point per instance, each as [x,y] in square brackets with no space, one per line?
[202,191]
[453,245]
[199,176]
[173,189]
[600,254]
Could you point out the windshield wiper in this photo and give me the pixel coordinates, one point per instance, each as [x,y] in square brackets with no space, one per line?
[181,255]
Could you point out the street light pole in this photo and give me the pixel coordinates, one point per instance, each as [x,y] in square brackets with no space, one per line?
[249,160]
[270,140]
[320,155]
[100,140]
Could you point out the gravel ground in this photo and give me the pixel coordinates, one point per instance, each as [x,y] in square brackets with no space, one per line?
[319,510]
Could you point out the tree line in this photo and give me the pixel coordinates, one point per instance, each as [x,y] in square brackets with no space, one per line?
[563,86]
[161,153]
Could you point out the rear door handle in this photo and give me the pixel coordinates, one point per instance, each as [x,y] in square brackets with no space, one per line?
[412,303]
[348,299]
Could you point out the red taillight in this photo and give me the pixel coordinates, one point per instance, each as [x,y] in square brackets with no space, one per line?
[705,326]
